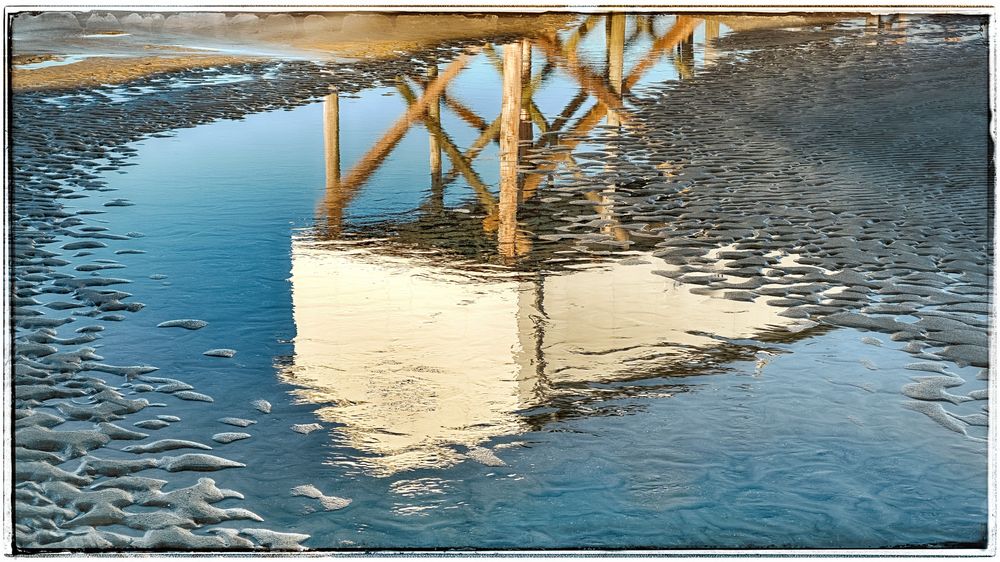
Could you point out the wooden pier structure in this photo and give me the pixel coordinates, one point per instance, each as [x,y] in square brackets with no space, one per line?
[514,130]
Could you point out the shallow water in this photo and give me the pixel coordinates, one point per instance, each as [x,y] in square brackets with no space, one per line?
[70,59]
[646,335]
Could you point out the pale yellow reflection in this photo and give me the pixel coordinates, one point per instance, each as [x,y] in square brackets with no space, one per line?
[418,360]
[412,358]
[616,321]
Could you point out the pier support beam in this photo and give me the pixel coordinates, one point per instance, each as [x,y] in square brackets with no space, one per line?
[526,130]
[684,61]
[510,124]
[334,211]
[712,32]
[331,138]
[434,116]
[615,29]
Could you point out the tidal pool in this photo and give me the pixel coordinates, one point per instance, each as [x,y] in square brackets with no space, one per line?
[639,282]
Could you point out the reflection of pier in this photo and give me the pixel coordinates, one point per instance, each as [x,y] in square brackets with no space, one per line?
[514,129]
[416,359]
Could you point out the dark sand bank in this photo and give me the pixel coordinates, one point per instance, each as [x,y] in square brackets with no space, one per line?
[802,175]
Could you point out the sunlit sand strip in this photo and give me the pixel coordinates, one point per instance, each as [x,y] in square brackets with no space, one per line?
[95,71]
[236,37]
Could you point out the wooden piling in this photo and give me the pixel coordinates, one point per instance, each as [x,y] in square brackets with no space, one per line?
[510,117]
[434,116]
[615,37]
[331,138]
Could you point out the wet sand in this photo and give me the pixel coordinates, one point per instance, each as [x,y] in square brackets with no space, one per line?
[95,71]
[884,245]
[323,36]
[762,212]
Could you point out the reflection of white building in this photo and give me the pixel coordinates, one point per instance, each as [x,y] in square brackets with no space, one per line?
[409,357]
[414,358]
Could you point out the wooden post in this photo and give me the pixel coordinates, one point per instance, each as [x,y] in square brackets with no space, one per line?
[711,34]
[525,129]
[331,138]
[712,30]
[902,21]
[525,62]
[333,208]
[615,29]
[685,57]
[510,115]
[434,116]
[616,63]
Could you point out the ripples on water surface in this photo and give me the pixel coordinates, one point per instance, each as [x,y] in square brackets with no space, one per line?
[647,281]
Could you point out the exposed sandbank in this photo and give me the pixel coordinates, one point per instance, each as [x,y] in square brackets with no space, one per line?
[181,41]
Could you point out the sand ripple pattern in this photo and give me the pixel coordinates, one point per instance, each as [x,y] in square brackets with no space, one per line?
[796,174]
